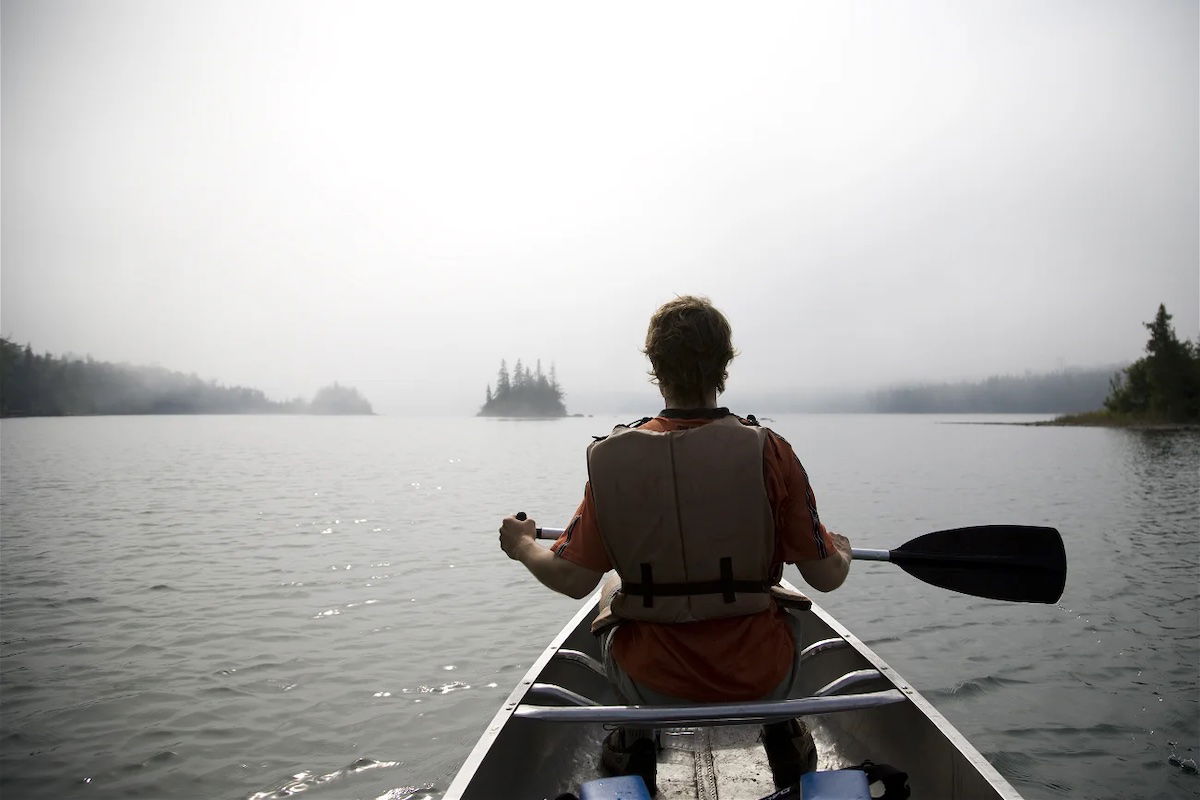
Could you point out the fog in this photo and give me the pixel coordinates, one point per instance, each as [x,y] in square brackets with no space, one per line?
[396,197]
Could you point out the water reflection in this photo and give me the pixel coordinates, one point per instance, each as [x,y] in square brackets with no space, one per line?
[1163,465]
[303,781]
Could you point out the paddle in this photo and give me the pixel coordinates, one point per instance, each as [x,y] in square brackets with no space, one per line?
[1022,563]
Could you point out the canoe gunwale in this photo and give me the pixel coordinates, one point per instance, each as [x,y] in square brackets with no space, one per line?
[470,766]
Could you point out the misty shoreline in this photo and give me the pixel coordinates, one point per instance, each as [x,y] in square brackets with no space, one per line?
[33,385]
[1129,425]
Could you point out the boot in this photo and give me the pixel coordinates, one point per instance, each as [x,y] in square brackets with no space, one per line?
[640,757]
[791,751]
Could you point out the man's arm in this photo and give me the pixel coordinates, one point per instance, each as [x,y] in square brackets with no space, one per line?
[828,573]
[518,540]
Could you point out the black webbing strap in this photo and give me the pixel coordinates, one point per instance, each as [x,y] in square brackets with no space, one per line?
[726,586]
[637,423]
[699,587]
[727,579]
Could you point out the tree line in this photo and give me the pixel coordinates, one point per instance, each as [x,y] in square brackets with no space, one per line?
[1063,391]
[526,393]
[45,385]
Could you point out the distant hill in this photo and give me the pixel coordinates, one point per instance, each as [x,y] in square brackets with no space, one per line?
[45,386]
[525,394]
[1060,392]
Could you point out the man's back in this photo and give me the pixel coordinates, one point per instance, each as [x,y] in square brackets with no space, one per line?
[734,658]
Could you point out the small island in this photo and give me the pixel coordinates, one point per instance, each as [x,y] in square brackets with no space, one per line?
[338,399]
[47,386]
[1158,391]
[525,394]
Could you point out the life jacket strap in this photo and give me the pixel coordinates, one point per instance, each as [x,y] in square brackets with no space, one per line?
[726,586]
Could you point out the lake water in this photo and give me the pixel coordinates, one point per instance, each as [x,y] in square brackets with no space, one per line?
[252,607]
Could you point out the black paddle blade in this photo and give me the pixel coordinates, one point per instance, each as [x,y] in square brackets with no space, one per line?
[1023,563]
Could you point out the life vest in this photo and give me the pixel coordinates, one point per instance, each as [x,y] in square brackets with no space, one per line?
[686,521]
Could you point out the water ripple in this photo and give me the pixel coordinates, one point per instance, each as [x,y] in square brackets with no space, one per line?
[303,781]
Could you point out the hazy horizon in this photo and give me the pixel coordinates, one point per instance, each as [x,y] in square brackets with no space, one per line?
[834,399]
[284,195]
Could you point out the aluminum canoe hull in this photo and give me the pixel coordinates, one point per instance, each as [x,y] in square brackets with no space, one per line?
[523,757]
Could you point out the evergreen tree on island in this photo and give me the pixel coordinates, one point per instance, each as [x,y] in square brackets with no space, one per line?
[1164,385]
[525,394]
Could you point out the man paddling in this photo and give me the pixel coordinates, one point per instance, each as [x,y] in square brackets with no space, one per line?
[697,510]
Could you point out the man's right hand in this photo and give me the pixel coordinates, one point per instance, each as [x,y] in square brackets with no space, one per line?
[842,544]
[828,573]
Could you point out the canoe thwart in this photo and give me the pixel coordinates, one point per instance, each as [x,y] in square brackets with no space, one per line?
[578,657]
[708,714]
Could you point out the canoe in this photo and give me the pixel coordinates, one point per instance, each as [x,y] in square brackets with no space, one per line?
[546,737]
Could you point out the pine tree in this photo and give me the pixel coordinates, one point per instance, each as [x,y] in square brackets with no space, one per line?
[1165,384]
[502,382]
[527,394]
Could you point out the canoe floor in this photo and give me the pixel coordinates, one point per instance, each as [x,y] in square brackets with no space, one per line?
[716,763]
[710,763]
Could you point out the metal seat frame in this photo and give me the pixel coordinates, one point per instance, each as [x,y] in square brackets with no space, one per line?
[829,699]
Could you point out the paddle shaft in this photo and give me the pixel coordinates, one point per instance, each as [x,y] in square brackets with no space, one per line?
[1003,562]
[858,553]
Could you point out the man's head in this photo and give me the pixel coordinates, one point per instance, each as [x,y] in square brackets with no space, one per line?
[689,346]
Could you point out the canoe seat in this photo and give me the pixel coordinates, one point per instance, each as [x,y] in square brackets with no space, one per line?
[583,659]
[829,699]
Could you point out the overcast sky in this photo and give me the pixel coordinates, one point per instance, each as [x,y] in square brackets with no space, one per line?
[398,195]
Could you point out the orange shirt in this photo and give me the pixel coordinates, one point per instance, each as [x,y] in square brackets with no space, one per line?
[729,659]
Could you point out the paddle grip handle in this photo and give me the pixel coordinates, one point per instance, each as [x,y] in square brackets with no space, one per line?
[542,533]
